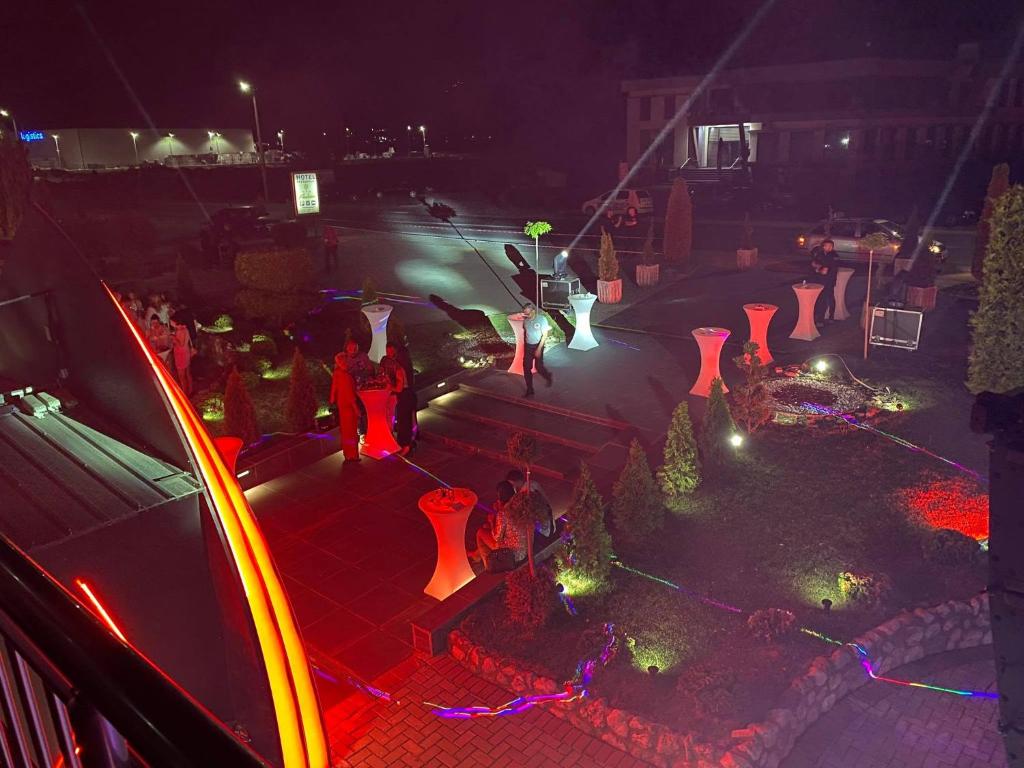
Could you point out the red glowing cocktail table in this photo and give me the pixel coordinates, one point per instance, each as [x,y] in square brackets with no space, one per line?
[710,342]
[516,321]
[760,317]
[806,296]
[379,442]
[448,510]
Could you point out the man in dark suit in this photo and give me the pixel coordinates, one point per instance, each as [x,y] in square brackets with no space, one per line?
[824,265]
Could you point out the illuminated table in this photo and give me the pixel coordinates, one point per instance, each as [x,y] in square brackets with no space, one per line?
[583,339]
[843,275]
[378,315]
[760,317]
[448,510]
[806,296]
[710,342]
[379,442]
[516,321]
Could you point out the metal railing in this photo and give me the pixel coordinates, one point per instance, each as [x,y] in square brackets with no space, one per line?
[74,696]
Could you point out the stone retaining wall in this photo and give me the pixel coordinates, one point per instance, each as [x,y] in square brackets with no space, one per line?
[908,637]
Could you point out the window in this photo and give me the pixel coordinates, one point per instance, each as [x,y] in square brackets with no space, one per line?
[871,228]
[623,195]
[645,108]
[844,228]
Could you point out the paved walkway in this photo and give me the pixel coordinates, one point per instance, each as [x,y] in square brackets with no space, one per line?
[886,726]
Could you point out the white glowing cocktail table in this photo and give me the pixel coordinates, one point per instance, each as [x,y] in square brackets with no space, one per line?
[516,321]
[843,275]
[379,442]
[710,342]
[583,338]
[448,510]
[378,315]
[806,296]
[760,317]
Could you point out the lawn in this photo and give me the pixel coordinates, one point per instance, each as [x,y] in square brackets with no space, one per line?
[799,506]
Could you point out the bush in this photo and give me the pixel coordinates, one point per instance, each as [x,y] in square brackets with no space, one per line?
[998,184]
[678,241]
[679,474]
[997,352]
[263,344]
[301,409]
[948,547]
[525,510]
[868,589]
[718,427]
[607,261]
[275,270]
[590,549]
[771,624]
[15,184]
[636,507]
[369,292]
[239,414]
[223,323]
[278,308]
[250,363]
[530,600]
[751,404]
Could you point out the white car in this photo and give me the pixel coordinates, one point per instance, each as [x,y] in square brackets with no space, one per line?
[624,200]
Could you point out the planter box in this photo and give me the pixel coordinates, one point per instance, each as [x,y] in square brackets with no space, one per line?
[923,298]
[647,274]
[746,259]
[609,291]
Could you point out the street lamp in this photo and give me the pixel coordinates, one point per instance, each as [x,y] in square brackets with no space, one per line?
[56,144]
[247,88]
[135,144]
[14,123]
[423,131]
[170,144]
[408,139]
[280,139]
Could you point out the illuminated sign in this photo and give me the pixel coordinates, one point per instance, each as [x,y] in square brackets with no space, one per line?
[32,136]
[306,193]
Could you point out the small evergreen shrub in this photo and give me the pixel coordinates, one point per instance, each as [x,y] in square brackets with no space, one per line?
[679,474]
[998,184]
[648,256]
[718,427]
[239,413]
[678,240]
[607,261]
[868,589]
[263,344]
[300,411]
[947,547]
[369,292]
[223,323]
[530,599]
[771,624]
[751,405]
[636,504]
[590,548]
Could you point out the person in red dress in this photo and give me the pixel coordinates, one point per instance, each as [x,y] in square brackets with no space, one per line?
[343,397]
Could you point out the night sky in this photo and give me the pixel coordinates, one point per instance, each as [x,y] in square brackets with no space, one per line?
[526,72]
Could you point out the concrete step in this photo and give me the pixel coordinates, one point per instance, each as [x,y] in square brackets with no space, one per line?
[538,405]
[576,433]
[448,428]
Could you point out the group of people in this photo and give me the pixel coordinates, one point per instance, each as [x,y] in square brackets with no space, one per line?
[501,531]
[170,330]
[354,370]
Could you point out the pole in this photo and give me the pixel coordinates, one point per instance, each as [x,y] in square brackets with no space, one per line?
[536,269]
[259,147]
[56,143]
[135,146]
[867,303]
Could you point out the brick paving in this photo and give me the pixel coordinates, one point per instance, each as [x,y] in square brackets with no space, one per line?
[886,726]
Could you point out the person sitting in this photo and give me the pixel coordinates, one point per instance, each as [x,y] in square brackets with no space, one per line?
[498,532]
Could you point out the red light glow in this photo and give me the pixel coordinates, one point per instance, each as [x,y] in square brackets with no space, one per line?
[100,610]
[956,503]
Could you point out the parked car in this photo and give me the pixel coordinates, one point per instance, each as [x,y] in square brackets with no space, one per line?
[624,200]
[230,228]
[849,236]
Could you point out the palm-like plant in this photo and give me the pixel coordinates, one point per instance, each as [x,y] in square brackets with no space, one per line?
[536,230]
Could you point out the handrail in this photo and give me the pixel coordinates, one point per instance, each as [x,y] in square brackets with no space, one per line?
[161,722]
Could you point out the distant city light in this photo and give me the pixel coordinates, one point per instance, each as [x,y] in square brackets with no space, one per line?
[845,141]
[244,86]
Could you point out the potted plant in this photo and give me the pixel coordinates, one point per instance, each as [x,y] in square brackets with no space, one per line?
[920,279]
[648,270]
[875,242]
[609,284]
[746,254]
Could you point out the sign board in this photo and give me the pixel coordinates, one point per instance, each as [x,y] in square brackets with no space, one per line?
[32,135]
[895,327]
[306,193]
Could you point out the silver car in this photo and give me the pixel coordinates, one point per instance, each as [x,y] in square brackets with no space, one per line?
[849,236]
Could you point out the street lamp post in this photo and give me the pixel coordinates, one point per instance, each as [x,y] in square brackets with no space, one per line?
[170,144]
[280,139]
[247,88]
[426,148]
[56,144]
[14,123]
[135,144]
[408,139]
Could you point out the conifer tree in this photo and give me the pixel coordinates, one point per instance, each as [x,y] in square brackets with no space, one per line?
[750,400]
[997,186]
[607,261]
[716,430]
[239,413]
[678,240]
[636,506]
[591,545]
[301,409]
[679,474]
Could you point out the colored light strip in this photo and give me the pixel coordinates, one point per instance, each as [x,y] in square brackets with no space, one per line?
[679,588]
[296,709]
[103,613]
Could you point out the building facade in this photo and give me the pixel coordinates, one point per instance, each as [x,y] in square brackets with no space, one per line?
[98,148]
[848,115]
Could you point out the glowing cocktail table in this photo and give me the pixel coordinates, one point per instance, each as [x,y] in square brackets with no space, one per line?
[842,279]
[378,315]
[379,442]
[710,342]
[760,317]
[806,296]
[516,321]
[583,338]
[448,510]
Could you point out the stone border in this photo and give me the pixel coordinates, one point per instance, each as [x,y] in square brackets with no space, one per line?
[907,637]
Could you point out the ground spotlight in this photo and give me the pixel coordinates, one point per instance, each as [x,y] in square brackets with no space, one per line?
[736,440]
[821,366]
[826,604]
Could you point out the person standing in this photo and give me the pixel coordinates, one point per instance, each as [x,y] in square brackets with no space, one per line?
[536,328]
[343,397]
[182,351]
[159,339]
[330,248]
[405,397]
[823,262]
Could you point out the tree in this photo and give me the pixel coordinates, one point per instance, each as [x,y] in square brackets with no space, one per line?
[301,409]
[239,413]
[607,261]
[636,507]
[997,349]
[750,399]
[530,599]
[997,186]
[15,184]
[591,546]
[679,474]
[183,280]
[536,230]
[649,256]
[678,240]
[369,293]
[525,510]
[716,430]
